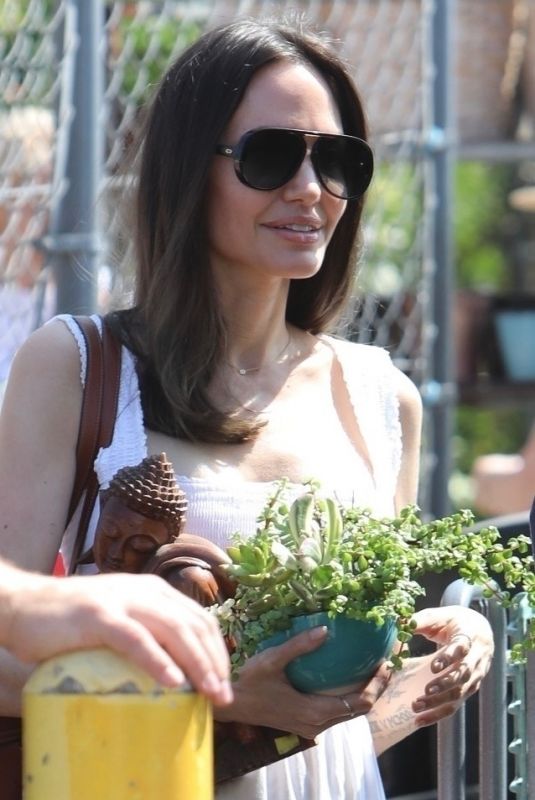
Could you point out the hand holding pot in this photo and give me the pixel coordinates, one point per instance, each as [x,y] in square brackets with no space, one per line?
[264,696]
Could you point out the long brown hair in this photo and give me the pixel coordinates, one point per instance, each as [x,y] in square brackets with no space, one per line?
[176,328]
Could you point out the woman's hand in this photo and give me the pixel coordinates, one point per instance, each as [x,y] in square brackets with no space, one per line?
[459,665]
[432,687]
[140,616]
[264,696]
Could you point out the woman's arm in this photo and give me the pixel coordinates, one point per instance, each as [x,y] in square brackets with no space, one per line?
[38,432]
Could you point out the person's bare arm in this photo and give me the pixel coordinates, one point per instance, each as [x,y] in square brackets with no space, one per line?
[38,431]
[140,616]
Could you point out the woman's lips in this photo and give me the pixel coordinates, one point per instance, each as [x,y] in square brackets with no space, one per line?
[296,232]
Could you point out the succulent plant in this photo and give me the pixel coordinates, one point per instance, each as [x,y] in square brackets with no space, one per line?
[316,555]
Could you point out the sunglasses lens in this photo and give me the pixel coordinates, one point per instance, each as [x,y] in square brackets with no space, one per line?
[344,165]
[270,158]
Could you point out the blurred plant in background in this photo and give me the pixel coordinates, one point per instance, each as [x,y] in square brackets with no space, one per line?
[483,250]
[480,225]
[27,52]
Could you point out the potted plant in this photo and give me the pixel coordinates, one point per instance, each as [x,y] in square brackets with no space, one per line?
[316,562]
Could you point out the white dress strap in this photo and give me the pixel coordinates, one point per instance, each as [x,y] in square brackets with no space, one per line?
[370,378]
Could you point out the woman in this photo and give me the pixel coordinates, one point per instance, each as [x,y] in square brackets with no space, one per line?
[246,229]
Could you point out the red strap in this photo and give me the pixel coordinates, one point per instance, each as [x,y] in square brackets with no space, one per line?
[59,567]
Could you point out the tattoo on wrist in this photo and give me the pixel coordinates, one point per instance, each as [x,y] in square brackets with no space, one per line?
[400,719]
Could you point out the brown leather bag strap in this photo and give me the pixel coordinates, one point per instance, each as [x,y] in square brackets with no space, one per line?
[97,419]
[91,407]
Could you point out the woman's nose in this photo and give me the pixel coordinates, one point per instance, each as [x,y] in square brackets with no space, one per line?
[305,185]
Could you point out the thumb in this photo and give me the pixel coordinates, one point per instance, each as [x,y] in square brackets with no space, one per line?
[298,645]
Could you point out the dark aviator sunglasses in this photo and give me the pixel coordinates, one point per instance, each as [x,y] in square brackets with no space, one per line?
[267,158]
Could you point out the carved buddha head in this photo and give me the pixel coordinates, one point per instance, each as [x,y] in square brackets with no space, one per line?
[142,509]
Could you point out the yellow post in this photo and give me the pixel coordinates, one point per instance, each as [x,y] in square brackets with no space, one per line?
[95,726]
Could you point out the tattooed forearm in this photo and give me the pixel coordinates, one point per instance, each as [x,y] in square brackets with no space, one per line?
[396,688]
[390,728]
[399,719]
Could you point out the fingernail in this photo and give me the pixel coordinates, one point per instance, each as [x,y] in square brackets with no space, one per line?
[173,677]
[226,691]
[418,705]
[433,689]
[318,633]
[439,664]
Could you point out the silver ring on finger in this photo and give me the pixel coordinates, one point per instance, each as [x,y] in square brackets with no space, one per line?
[349,711]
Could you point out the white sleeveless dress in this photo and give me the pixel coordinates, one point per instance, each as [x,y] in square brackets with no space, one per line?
[343,765]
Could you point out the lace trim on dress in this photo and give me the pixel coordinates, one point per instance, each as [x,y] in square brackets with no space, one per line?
[129,445]
[80,341]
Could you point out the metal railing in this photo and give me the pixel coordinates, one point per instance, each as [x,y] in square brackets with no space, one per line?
[508,689]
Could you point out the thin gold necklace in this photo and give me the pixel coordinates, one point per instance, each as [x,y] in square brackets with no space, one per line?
[247,370]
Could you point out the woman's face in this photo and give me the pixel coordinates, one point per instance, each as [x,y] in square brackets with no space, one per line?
[281,233]
[126,539]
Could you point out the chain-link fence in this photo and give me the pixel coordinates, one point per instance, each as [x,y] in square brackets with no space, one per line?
[59,134]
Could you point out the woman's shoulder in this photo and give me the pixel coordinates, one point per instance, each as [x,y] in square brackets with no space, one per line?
[355,349]
[42,401]
[50,350]
[356,355]
[367,361]
[45,375]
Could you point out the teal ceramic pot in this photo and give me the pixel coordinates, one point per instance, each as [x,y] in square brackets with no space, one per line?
[353,651]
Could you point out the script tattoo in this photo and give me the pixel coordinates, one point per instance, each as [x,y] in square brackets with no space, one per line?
[401,719]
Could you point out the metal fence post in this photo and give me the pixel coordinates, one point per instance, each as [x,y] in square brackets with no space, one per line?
[73,239]
[439,394]
[492,710]
[530,721]
[493,713]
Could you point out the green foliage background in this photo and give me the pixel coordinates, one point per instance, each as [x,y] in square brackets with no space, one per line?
[483,257]
[481,213]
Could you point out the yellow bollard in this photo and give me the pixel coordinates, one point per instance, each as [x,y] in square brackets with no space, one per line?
[95,727]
